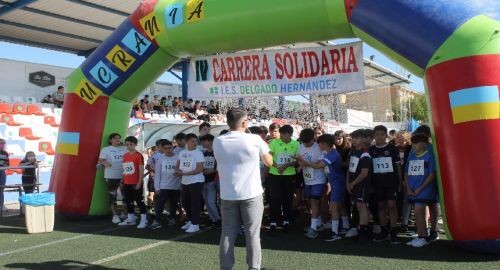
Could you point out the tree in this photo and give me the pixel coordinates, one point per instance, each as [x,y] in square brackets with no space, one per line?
[417,106]
[419,109]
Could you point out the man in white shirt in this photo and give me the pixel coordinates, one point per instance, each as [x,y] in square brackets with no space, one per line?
[238,156]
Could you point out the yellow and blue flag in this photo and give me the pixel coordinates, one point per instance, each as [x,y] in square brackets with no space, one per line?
[475,104]
[67,143]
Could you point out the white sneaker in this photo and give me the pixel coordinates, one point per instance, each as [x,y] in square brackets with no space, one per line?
[187,225]
[144,222]
[410,243]
[352,232]
[420,242]
[127,222]
[116,219]
[193,228]
[142,225]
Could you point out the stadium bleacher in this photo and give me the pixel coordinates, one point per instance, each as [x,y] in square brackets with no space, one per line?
[27,125]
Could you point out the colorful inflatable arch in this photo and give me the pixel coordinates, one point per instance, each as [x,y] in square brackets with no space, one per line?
[453,46]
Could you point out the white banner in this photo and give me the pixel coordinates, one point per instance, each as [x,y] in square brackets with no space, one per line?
[318,70]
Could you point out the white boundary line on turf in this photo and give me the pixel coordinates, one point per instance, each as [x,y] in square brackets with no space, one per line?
[140,249]
[57,241]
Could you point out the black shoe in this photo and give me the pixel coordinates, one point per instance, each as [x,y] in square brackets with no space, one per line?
[286,227]
[218,224]
[393,237]
[380,237]
[333,237]
[403,229]
[364,238]
[433,236]
[272,230]
[364,235]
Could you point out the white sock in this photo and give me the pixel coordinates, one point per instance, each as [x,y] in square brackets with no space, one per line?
[318,222]
[285,222]
[345,222]
[272,224]
[314,223]
[335,226]
[143,218]
[130,217]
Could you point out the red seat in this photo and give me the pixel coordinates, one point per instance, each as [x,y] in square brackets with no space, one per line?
[35,109]
[46,147]
[14,162]
[5,107]
[9,120]
[50,120]
[27,133]
[20,108]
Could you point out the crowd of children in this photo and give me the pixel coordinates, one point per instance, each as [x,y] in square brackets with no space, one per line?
[362,185]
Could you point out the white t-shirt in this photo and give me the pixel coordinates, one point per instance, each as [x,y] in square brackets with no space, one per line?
[113,155]
[188,160]
[164,173]
[238,156]
[312,154]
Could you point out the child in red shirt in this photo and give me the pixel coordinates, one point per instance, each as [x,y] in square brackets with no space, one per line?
[133,173]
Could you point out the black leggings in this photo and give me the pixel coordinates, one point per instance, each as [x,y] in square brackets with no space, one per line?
[30,181]
[191,201]
[281,196]
[172,196]
[130,195]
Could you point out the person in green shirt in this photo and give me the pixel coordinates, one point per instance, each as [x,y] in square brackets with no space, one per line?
[282,175]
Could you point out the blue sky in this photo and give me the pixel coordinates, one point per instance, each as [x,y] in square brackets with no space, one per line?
[37,55]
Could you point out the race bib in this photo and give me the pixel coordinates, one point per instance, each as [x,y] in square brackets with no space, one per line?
[209,163]
[416,167]
[116,157]
[353,164]
[186,164]
[382,165]
[308,173]
[284,158]
[128,168]
[168,166]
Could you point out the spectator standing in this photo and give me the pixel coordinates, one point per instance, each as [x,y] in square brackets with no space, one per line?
[4,162]
[29,174]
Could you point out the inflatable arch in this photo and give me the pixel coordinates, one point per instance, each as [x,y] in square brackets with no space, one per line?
[453,46]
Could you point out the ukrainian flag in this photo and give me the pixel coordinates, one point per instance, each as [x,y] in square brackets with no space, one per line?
[67,143]
[475,104]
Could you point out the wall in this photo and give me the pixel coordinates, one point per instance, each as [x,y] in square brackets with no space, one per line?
[14,81]
[14,78]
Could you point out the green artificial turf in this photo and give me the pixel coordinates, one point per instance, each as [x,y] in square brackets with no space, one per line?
[94,240]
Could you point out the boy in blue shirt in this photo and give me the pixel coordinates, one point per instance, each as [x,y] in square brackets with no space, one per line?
[420,175]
